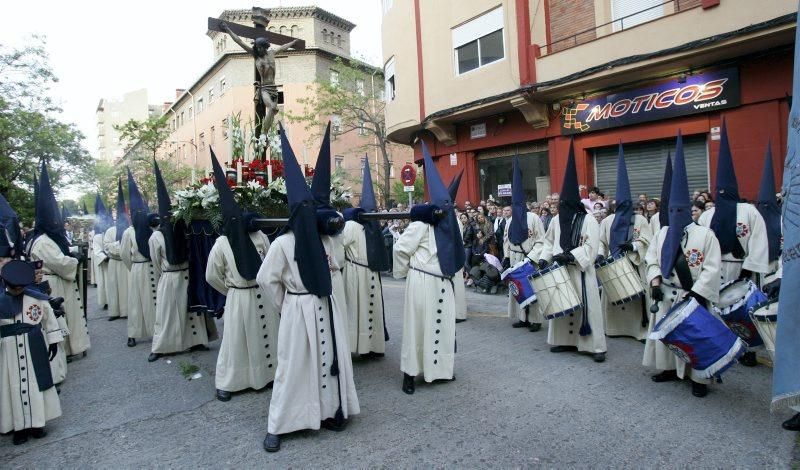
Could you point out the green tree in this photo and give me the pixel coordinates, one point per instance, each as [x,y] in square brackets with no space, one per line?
[31,131]
[400,196]
[355,97]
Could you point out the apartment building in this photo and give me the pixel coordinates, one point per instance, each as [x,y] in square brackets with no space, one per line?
[116,112]
[481,81]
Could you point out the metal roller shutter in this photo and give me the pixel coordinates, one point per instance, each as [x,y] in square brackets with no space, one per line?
[646,162]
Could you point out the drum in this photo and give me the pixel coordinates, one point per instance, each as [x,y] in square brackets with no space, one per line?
[517,278]
[765,317]
[556,296]
[736,299]
[620,279]
[699,338]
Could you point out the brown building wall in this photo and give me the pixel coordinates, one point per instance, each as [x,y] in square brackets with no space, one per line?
[567,19]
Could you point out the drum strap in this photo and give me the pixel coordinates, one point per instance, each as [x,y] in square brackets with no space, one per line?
[586,328]
[682,269]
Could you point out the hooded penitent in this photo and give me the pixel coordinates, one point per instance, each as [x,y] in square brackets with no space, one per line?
[663,214]
[767,205]
[139,217]
[102,219]
[123,221]
[85,209]
[377,258]
[48,217]
[448,238]
[727,197]
[453,187]
[309,252]
[174,234]
[10,236]
[248,261]
[622,226]
[518,232]
[329,222]
[680,212]
[571,211]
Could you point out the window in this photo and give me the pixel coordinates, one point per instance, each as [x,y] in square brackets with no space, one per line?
[339,40]
[391,169]
[363,162]
[211,137]
[334,78]
[294,31]
[479,42]
[199,105]
[190,113]
[211,95]
[636,11]
[282,30]
[222,85]
[362,130]
[390,87]
[338,161]
[336,123]
[324,35]
[183,118]
[360,87]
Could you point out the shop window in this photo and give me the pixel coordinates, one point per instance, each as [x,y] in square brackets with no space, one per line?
[479,42]
[497,170]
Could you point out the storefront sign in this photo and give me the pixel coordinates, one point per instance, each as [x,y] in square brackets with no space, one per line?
[504,190]
[700,93]
[476,131]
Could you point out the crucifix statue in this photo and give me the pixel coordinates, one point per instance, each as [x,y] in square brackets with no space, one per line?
[266,92]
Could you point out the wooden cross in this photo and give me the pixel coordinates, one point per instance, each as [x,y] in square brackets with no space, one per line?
[214,24]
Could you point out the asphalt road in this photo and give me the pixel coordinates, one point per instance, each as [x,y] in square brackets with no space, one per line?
[513,404]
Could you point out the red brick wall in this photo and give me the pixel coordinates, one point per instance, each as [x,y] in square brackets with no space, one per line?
[683,5]
[569,17]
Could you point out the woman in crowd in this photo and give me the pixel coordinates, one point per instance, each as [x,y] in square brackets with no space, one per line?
[651,209]
[697,210]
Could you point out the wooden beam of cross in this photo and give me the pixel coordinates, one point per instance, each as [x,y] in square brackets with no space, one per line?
[215,24]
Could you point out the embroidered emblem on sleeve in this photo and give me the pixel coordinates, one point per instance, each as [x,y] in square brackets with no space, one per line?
[742,230]
[694,258]
[34,313]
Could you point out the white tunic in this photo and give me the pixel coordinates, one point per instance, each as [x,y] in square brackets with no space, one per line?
[752,234]
[247,354]
[626,319]
[564,331]
[116,276]
[429,332]
[175,328]
[305,393]
[100,268]
[364,294]
[142,284]
[61,271]
[702,252]
[22,404]
[532,248]
[458,282]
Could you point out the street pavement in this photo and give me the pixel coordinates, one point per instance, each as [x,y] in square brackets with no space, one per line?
[513,404]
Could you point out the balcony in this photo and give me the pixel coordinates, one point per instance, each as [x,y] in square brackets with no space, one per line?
[680,34]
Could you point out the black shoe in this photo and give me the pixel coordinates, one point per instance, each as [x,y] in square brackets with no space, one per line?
[223,395]
[699,390]
[270,384]
[643,341]
[199,347]
[665,376]
[535,327]
[38,433]
[113,318]
[749,359]
[460,320]
[153,357]
[332,424]
[408,384]
[272,443]
[105,307]
[58,389]
[84,354]
[520,324]
[792,424]
[599,357]
[560,349]
[20,437]
[131,342]
[69,359]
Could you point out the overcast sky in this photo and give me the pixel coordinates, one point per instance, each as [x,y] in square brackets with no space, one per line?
[102,49]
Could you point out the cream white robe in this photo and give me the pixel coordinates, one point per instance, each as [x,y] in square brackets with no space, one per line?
[142,284]
[458,283]
[305,393]
[61,272]
[100,268]
[175,328]
[22,404]
[626,319]
[247,354]
[701,248]
[564,331]
[531,248]
[752,234]
[655,223]
[364,294]
[116,276]
[429,332]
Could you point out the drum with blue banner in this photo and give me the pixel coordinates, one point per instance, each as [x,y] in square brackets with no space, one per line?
[517,278]
[736,300]
[699,338]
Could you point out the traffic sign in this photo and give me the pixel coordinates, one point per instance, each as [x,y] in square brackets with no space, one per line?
[408,174]
[408,189]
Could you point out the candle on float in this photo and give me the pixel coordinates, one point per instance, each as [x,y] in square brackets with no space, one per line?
[238,172]
[269,172]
